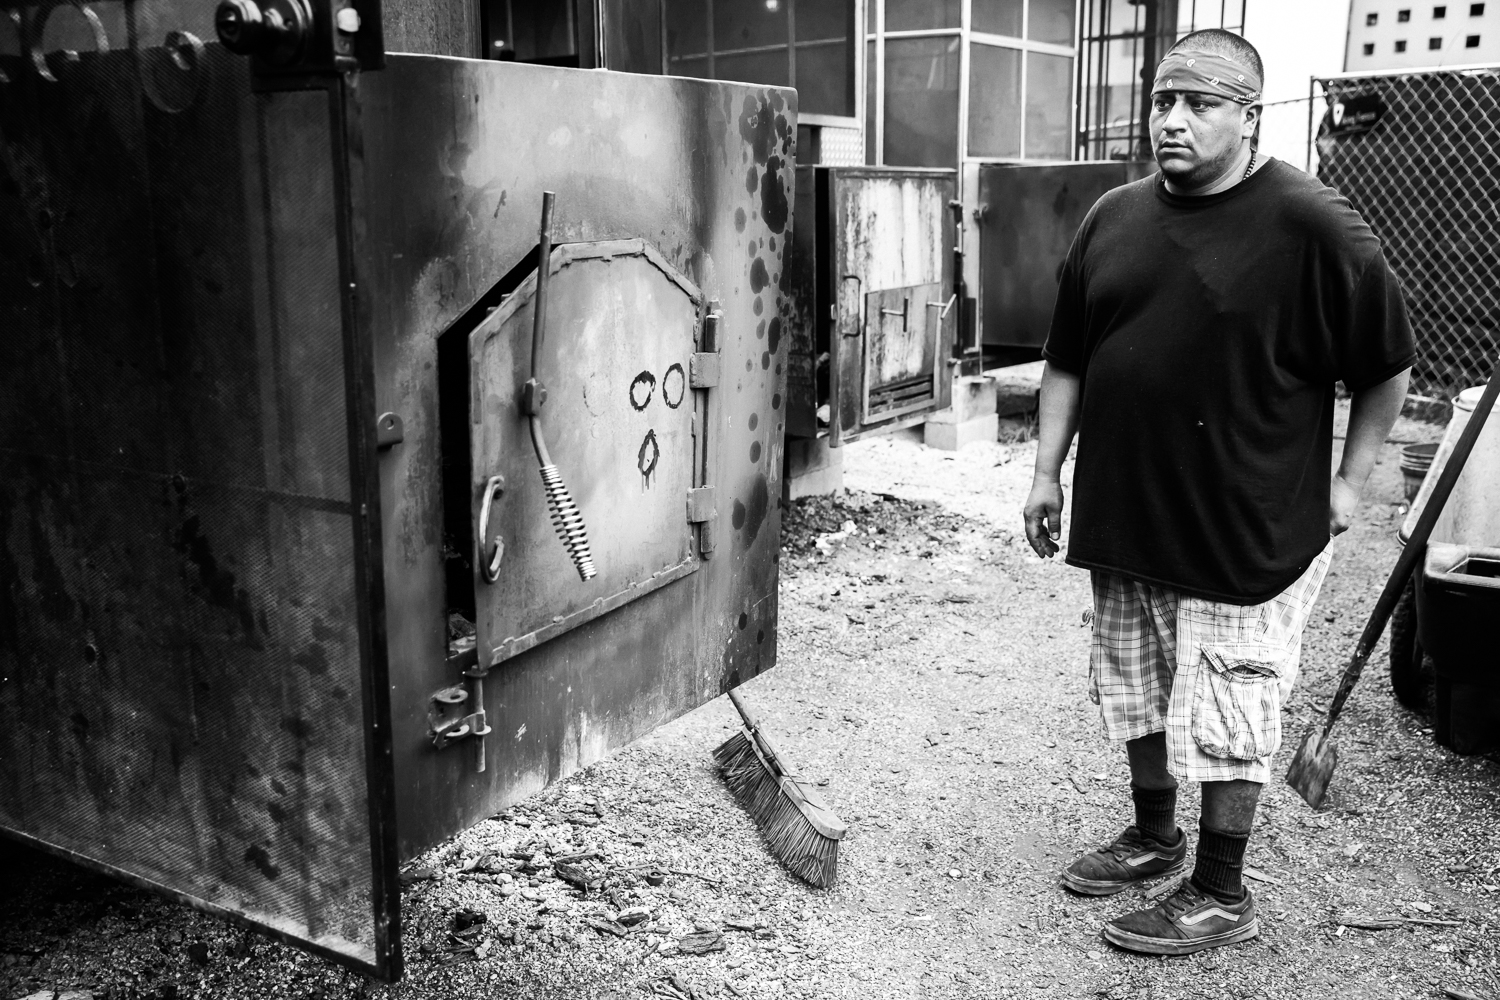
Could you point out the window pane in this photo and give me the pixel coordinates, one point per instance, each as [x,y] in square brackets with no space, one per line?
[743,24]
[870,103]
[686,24]
[914,15]
[824,84]
[1049,105]
[769,68]
[921,102]
[998,17]
[994,101]
[1051,21]
[824,19]
[697,66]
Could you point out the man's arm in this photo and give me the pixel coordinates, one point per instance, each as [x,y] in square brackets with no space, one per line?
[1371,414]
[1057,420]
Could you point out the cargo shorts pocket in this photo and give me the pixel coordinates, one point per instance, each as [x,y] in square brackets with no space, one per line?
[1237,701]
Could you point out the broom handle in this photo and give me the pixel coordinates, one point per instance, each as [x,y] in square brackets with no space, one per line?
[766,749]
[1415,548]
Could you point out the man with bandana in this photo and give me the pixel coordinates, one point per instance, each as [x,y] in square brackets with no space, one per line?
[1203,318]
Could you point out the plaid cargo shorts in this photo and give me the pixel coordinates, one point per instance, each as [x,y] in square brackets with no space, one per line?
[1212,676]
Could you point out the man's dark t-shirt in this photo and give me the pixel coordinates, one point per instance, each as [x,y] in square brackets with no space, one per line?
[1208,333]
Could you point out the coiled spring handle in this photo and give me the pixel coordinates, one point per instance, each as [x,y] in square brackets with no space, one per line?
[567,520]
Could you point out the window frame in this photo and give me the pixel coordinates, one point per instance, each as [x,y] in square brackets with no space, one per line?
[857,58]
[968,38]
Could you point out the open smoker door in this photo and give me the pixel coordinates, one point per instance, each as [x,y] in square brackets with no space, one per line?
[192,677]
[619,364]
[891,270]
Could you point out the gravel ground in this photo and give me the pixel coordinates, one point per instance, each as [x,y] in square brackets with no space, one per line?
[931,673]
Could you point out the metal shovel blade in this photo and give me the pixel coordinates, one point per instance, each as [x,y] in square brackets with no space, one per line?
[1313,766]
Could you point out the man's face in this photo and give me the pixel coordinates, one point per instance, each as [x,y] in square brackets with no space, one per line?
[1196,137]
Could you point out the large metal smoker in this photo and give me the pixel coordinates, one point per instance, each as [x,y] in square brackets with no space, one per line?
[281,599]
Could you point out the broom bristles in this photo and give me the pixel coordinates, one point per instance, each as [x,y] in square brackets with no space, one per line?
[789,834]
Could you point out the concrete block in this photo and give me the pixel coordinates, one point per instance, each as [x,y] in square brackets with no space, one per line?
[973,396]
[811,468]
[1017,388]
[949,435]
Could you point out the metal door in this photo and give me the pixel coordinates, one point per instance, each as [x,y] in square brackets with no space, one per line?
[616,361]
[890,235]
[1028,216]
[903,334]
[191,697]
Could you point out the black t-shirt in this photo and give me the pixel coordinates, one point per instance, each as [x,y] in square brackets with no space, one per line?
[1208,333]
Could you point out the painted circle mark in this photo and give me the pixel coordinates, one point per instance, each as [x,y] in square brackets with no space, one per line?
[641,390]
[673,386]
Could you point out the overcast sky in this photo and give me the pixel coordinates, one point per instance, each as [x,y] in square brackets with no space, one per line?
[1297,39]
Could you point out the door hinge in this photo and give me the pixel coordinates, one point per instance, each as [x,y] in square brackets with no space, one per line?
[700,505]
[704,370]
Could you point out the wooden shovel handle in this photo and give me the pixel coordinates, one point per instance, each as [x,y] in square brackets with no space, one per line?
[1416,547]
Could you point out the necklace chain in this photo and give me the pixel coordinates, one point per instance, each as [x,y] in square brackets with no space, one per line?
[1251,168]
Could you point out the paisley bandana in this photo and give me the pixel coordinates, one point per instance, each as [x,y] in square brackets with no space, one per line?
[1207,73]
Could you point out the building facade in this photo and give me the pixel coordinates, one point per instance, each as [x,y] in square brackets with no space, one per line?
[1407,34]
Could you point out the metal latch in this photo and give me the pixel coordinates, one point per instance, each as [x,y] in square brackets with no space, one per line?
[704,370]
[446,730]
[904,312]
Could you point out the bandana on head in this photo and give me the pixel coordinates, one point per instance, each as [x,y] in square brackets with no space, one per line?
[1207,73]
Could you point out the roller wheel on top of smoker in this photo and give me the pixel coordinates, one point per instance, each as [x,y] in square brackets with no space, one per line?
[1411,671]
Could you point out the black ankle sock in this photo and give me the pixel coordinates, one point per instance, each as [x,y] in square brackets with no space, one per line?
[1221,861]
[1156,812]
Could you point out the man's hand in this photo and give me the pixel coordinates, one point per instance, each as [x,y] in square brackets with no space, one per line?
[1343,498]
[1043,514]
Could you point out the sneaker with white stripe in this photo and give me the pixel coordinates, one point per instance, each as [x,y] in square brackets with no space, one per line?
[1132,857]
[1188,920]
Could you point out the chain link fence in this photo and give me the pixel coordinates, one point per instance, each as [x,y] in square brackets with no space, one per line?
[1418,154]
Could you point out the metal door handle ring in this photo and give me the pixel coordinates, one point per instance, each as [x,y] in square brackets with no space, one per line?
[489,570]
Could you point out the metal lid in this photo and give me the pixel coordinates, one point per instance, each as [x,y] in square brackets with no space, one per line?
[1469,398]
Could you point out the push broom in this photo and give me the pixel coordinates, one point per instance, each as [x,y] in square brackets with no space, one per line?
[799,829]
[1313,766]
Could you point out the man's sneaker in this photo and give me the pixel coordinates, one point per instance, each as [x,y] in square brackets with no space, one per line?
[1189,920]
[1131,858]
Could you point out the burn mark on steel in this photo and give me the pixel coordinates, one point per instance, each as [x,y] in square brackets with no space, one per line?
[765,360]
[277,813]
[278,787]
[314,660]
[737,516]
[760,637]
[257,856]
[759,278]
[755,510]
[744,620]
[673,386]
[773,204]
[80,726]
[752,180]
[217,582]
[754,420]
[322,631]
[774,333]
[776,401]
[758,127]
[739,220]
[641,390]
[760,330]
[299,728]
[758,306]
[646,459]
[755,451]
